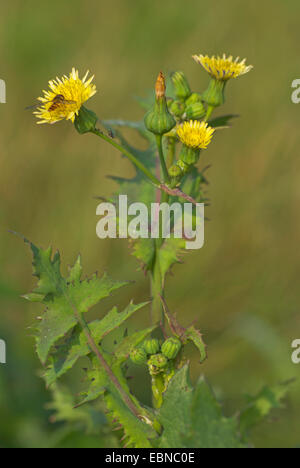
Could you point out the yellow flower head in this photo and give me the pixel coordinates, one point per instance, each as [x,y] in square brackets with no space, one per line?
[223,68]
[195,134]
[64,98]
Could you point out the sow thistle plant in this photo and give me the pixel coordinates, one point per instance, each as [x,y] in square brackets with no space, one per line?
[178,126]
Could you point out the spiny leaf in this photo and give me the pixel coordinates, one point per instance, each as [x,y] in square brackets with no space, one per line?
[137,432]
[260,406]
[194,335]
[63,298]
[87,418]
[76,346]
[185,334]
[192,417]
[169,254]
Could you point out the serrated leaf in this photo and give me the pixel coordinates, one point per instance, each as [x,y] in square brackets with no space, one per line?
[194,335]
[76,346]
[169,254]
[260,406]
[192,417]
[122,351]
[144,251]
[86,418]
[63,299]
[137,433]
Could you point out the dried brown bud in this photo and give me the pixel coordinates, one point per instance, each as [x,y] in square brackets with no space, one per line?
[160,86]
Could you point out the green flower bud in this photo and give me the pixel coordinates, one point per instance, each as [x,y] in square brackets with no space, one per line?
[157,363]
[194,97]
[214,94]
[195,111]
[183,166]
[138,356]
[181,86]
[175,171]
[151,346]
[171,347]
[177,108]
[189,155]
[85,121]
[158,120]
[176,174]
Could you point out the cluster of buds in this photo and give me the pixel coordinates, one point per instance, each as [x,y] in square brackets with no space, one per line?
[156,355]
[186,105]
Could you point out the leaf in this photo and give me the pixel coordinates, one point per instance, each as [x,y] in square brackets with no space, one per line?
[169,254]
[194,335]
[144,251]
[222,121]
[136,432]
[63,299]
[86,418]
[192,417]
[76,346]
[261,405]
[185,334]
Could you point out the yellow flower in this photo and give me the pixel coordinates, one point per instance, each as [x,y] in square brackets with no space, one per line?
[64,98]
[223,68]
[195,134]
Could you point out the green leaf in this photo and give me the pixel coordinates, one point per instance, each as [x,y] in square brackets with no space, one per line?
[192,417]
[222,121]
[63,299]
[76,346]
[137,433]
[144,251]
[169,254]
[194,335]
[260,406]
[86,418]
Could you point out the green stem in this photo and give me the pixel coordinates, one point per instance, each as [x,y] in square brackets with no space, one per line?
[130,156]
[156,289]
[171,151]
[105,365]
[162,158]
[209,111]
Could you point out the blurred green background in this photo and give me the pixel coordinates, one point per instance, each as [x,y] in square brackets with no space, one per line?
[243,285]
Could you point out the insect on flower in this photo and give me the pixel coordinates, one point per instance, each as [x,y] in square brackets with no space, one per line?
[55,103]
[64,98]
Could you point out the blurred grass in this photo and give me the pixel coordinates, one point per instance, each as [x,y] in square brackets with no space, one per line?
[243,285]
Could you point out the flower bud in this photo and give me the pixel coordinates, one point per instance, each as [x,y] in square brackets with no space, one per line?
[157,363]
[194,97]
[138,356]
[85,121]
[171,347]
[181,86]
[177,108]
[158,120]
[195,111]
[183,166]
[214,94]
[151,346]
[189,156]
[175,173]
